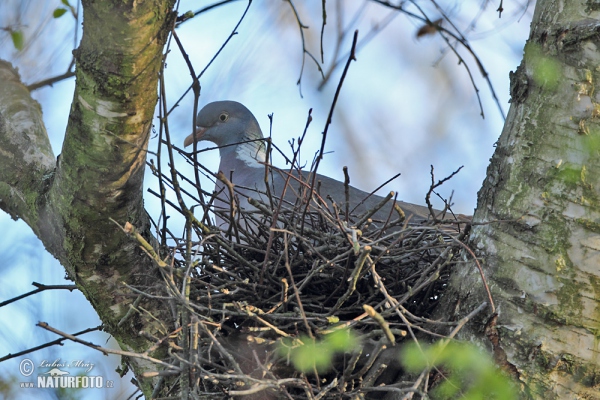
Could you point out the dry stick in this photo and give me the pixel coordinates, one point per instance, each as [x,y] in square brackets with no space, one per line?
[161,183]
[301,26]
[480,268]
[360,262]
[296,292]
[401,216]
[351,58]
[282,196]
[159,341]
[463,41]
[377,207]
[196,89]
[351,365]
[233,207]
[167,273]
[170,203]
[397,307]
[51,81]
[403,234]
[184,17]
[420,284]
[351,234]
[268,324]
[371,358]
[225,245]
[165,124]
[222,350]
[375,191]
[347,194]
[131,230]
[392,301]
[269,159]
[328,123]
[230,377]
[385,326]
[426,280]
[231,35]
[315,270]
[425,320]
[373,374]
[40,288]
[131,311]
[184,315]
[106,351]
[183,178]
[433,186]
[377,28]
[262,385]
[341,35]
[324,19]
[326,389]
[43,346]
[266,370]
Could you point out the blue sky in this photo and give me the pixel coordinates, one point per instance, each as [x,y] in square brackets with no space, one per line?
[406,104]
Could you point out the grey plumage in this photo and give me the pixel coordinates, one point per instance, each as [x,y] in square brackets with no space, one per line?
[232,127]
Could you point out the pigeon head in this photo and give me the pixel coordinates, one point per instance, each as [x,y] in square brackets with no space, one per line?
[232,127]
[225,123]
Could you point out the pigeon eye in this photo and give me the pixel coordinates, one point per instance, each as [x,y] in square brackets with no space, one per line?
[223,117]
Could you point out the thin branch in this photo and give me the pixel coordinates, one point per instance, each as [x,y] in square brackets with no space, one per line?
[51,81]
[49,344]
[105,350]
[40,288]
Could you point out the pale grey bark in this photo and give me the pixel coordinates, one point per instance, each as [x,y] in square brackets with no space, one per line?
[542,256]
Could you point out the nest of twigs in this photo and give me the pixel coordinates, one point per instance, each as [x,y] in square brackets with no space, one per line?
[302,270]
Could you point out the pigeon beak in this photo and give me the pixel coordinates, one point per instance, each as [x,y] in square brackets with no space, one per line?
[194,137]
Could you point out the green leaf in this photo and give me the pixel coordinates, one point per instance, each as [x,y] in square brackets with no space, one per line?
[17,38]
[469,373]
[65,2]
[341,340]
[59,12]
[308,354]
[311,355]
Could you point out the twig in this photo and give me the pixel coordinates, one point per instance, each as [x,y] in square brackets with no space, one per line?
[50,81]
[105,350]
[43,346]
[40,288]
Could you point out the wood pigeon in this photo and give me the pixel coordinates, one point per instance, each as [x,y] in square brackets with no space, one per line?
[233,128]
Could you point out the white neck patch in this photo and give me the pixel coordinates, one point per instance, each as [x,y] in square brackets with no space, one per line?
[251,153]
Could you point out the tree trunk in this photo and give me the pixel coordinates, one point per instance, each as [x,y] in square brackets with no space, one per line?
[539,214]
[99,174]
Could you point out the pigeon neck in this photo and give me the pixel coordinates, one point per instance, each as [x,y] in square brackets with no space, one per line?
[250,153]
[240,162]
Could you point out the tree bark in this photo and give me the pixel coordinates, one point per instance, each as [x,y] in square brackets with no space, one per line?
[99,173]
[539,211]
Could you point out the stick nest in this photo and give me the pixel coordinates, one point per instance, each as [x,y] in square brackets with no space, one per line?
[286,275]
